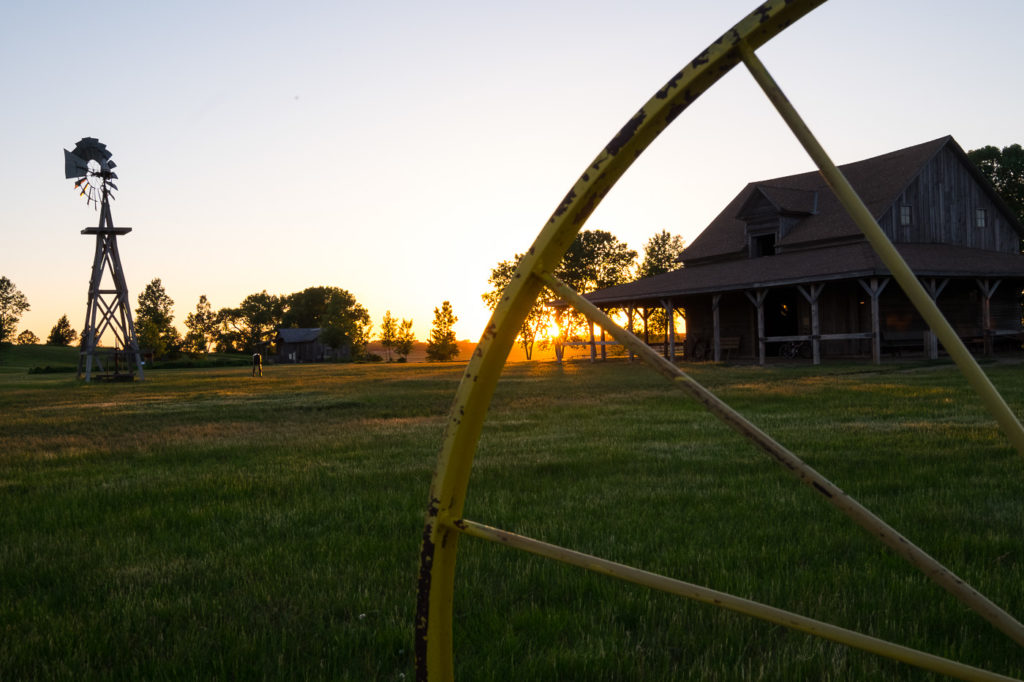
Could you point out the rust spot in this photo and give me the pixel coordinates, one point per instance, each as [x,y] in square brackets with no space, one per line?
[822,490]
[626,134]
[765,11]
[673,82]
[700,59]
[423,592]
[564,206]
[460,524]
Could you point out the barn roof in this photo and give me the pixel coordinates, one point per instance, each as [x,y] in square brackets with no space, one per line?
[878,181]
[297,334]
[824,244]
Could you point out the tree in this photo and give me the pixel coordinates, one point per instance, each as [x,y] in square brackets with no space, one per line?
[404,339]
[243,329]
[661,253]
[27,338]
[346,323]
[12,304]
[307,308]
[153,317]
[1005,170]
[539,317]
[62,334]
[595,260]
[441,347]
[202,327]
[388,333]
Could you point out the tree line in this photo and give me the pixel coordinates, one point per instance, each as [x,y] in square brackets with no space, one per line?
[249,327]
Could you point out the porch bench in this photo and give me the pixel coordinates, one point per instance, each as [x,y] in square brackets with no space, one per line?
[897,342]
[729,344]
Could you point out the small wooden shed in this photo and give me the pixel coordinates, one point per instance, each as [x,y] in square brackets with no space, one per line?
[783,263]
[303,344]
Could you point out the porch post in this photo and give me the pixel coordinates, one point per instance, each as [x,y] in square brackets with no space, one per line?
[717,326]
[757,298]
[812,296]
[604,351]
[934,288]
[874,290]
[670,342]
[988,290]
[593,348]
[629,312]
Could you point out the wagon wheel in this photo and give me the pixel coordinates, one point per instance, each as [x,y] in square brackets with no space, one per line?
[445,524]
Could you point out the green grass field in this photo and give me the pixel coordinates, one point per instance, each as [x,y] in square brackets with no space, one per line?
[207,525]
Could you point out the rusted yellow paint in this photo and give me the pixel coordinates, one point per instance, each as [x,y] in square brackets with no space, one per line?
[444,523]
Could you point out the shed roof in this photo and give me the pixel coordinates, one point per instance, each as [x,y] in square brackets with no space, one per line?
[297,334]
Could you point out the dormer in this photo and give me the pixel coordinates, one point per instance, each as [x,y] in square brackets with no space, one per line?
[770,213]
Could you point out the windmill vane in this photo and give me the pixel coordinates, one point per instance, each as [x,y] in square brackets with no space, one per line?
[90,163]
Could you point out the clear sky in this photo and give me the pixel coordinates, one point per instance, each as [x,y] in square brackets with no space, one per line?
[400,149]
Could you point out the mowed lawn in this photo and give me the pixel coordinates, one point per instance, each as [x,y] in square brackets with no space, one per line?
[204,524]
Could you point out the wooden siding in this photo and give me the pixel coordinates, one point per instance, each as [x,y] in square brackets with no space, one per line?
[943,200]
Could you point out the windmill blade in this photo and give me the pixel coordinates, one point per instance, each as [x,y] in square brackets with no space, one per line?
[74,166]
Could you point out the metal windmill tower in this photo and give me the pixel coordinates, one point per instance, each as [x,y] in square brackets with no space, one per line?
[108,307]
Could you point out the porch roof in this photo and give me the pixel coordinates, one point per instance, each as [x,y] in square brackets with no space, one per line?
[837,262]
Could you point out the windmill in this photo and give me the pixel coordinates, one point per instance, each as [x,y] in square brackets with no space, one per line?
[107,307]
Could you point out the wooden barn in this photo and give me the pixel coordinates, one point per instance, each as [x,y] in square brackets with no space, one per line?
[783,266]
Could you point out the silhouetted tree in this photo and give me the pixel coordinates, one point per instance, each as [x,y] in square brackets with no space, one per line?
[245,328]
[404,339]
[1005,169]
[202,327]
[661,253]
[388,333]
[12,304]
[62,333]
[153,317]
[346,323]
[540,315]
[27,338]
[442,347]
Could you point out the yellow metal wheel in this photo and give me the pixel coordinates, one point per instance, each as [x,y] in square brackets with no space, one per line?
[444,522]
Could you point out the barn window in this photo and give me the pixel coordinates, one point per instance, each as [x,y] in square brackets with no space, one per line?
[905,214]
[980,217]
[762,245]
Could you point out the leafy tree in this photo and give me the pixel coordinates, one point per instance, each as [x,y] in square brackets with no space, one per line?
[660,254]
[153,317]
[307,308]
[595,260]
[12,304]
[202,327]
[388,333]
[27,338]
[243,329]
[346,323]
[539,317]
[404,339]
[62,334]
[441,347]
[1005,169]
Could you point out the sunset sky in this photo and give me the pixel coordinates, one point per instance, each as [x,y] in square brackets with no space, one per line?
[400,149]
